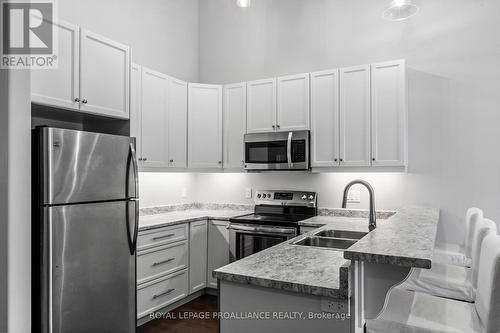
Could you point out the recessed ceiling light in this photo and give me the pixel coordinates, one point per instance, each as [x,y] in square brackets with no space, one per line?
[243,3]
[400,10]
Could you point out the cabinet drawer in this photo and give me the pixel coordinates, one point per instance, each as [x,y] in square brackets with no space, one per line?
[157,294]
[160,261]
[157,237]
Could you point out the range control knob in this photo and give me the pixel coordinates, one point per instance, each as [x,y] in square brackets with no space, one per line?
[304,197]
[258,195]
[311,197]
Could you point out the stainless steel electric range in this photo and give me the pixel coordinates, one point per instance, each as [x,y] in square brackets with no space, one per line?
[275,219]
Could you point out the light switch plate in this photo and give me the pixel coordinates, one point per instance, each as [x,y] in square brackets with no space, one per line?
[354,197]
[248,193]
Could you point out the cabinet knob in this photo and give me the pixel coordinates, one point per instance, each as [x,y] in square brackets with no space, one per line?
[144,159]
[171,161]
[335,159]
[373,159]
[274,126]
[139,159]
[77,100]
[341,160]
[84,101]
[278,126]
[220,162]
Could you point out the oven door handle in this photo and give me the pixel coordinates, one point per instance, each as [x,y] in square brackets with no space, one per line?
[289,150]
[250,229]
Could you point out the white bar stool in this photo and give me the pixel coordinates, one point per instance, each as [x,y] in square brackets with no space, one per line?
[410,311]
[451,281]
[455,254]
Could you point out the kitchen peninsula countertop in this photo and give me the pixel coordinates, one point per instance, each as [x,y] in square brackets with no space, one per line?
[404,239]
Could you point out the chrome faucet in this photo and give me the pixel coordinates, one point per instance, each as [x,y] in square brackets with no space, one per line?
[372,218]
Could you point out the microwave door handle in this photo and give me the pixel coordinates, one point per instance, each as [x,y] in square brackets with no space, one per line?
[289,150]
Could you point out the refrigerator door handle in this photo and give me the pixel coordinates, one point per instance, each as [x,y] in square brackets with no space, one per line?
[136,170]
[132,241]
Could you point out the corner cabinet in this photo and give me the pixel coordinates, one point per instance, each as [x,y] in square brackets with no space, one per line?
[325,136]
[234,124]
[389,113]
[292,110]
[218,248]
[197,256]
[204,126]
[93,75]
[355,116]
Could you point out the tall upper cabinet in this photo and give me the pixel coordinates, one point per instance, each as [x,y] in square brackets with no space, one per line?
[325,118]
[389,113]
[278,104]
[204,126]
[234,124]
[261,106]
[92,76]
[292,108]
[355,116]
[159,119]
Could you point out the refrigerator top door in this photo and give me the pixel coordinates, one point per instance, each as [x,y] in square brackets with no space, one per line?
[90,276]
[77,166]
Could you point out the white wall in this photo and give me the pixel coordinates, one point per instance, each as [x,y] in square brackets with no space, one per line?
[161,189]
[453,49]
[163,34]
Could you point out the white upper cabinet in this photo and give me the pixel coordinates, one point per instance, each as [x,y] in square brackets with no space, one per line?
[135,108]
[261,106]
[325,134]
[234,124]
[60,87]
[154,118]
[389,113]
[293,102]
[177,123]
[204,126]
[104,75]
[355,116]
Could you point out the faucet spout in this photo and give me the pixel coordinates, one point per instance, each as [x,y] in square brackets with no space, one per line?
[372,218]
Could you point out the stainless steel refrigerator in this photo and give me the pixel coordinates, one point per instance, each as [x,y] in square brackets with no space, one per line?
[85,223]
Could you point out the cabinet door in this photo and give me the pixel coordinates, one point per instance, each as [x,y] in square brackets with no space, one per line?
[197,256]
[177,123]
[261,106]
[154,118]
[293,103]
[325,127]
[355,116]
[389,113]
[218,249]
[204,126]
[60,87]
[235,106]
[135,108]
[104,76]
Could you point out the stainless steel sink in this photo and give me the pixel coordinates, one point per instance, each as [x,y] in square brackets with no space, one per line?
[332,243]
[341,234]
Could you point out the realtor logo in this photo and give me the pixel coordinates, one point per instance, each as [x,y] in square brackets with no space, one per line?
[27,34]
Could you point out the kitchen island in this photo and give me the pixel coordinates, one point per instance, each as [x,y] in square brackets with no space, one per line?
[324,289]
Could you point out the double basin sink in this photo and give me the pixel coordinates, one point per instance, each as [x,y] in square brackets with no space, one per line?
[333,239]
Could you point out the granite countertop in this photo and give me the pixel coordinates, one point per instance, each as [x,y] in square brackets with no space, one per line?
[405,239]
[147,222]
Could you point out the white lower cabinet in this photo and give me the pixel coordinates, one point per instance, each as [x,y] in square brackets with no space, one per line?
[157,294]
[161,261]
[218,249]
[197,256]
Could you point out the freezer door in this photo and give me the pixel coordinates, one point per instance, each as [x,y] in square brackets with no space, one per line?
[90,272]
[78,166]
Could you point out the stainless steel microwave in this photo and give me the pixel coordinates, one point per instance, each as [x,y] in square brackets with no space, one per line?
[277,151]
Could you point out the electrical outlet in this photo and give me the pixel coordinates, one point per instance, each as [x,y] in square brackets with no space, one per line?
[183,192]
[354,197]
[248,193]
[334,305]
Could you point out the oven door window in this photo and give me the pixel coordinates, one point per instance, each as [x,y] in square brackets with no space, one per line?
[248,244]
[266,152]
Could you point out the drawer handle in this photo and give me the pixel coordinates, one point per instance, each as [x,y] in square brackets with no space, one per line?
[163,293]
[163,237]
[162,262]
